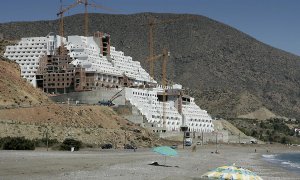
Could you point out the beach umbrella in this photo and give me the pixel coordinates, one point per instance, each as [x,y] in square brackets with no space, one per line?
[232,173]
[165,151]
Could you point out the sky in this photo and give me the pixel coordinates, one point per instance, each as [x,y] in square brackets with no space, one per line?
[274,22]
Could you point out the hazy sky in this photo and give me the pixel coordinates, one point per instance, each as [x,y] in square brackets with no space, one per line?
[275,22]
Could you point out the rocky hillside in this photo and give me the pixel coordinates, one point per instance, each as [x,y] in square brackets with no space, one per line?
[3,44]
[15,91]
[27,111]
[228,72]
[89,124]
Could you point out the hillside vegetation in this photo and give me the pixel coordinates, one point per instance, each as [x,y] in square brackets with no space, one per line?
[272,130]
[228,72]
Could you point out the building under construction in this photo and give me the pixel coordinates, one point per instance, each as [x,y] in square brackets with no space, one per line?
[91,64]
[64,70]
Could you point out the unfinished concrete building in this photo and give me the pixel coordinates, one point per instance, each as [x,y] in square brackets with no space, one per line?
[90,63]
[56,74]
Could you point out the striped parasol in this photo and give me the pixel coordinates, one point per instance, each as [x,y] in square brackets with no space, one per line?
[232,173]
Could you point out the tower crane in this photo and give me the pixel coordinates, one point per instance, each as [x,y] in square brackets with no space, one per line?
[86,19]
[152,58]
[86,4]
[165,54]
[152,23]
[61,21]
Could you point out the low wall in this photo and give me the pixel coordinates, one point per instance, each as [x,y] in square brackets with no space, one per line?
[220,136]
[90,97]
[137,119]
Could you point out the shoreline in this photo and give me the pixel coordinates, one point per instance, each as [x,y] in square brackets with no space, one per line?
[275,160]
[127,164]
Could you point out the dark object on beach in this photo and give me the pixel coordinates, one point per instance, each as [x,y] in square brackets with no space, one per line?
[69,143]
[255,150]
[156,164]
[129,146]
[106,146]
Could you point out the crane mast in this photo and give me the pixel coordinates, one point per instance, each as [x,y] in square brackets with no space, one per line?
[86,18]
[61,22]
[151,49]
[164,84]
[152,58]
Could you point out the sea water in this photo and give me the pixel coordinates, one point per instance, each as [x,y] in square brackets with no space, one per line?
[289,161]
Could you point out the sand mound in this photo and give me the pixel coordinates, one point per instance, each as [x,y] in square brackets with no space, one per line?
[260,114]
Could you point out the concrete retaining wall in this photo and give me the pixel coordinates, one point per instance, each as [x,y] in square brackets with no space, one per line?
[137,119]
[222,136]
[91,97]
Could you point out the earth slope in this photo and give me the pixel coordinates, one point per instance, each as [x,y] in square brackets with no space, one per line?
[15,91]
[227,71]
[27,111]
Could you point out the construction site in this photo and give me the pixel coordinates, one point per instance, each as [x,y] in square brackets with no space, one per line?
[87,69]
[120,96]
[78,70]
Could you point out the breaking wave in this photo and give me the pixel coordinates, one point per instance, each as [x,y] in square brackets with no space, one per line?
[289,161]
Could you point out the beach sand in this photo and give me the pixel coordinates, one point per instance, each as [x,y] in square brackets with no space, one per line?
[127,164]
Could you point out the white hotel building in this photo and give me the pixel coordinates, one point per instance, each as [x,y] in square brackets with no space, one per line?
[109,64]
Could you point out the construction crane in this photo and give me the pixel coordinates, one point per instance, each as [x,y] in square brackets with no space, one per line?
[61,22]
[165,54]
[86,4]
[152,58]
[86,19]
[151,47]
[152,23]
[110,101]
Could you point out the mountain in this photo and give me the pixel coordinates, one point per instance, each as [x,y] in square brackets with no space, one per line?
[227,71]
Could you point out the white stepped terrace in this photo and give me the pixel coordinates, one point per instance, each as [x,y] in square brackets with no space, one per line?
[147,102]
[86,52]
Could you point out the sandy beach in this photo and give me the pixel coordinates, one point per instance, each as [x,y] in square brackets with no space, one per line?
[127,164]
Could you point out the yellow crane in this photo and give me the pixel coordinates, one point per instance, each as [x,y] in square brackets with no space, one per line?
[152,57]
[86,19]
[61,21]
[165,54]
[86,4]
[152,23]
